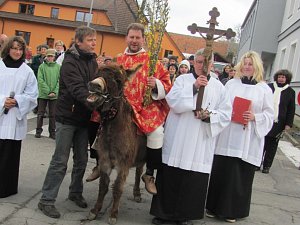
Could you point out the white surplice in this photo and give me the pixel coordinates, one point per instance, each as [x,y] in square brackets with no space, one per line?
[22,81]
[189,143]
[247,143]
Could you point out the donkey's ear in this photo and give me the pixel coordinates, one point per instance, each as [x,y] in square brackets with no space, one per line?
[132,71]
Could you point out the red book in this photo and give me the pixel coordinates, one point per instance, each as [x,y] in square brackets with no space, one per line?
[240,105]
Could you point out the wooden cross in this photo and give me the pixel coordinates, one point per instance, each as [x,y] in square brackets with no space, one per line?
[211,31]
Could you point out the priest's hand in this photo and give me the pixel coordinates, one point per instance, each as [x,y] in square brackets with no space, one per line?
[201,81]
[151,82]
[203,115]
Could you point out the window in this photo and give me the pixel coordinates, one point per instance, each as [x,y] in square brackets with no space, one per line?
[168,53]
[291,9]
[24,34]
[83,17]
[26,9]
[54,13]
[50,42]
[282,57]
[292,56]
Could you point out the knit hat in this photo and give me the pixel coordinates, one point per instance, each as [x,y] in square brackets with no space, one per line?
[50,51]
[185,62]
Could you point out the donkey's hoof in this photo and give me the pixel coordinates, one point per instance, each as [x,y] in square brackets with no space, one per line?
[137,199]
[92,216]
[112,220]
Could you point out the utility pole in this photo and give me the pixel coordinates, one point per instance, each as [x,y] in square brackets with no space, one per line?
[90,17]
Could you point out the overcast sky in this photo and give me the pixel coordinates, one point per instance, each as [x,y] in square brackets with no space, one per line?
[185,12]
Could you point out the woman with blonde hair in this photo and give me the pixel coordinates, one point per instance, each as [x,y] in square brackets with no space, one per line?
[239,147]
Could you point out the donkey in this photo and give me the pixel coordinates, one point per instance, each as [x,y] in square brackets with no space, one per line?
[118,144]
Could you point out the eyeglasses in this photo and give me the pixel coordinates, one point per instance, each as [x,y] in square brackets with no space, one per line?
[17,49]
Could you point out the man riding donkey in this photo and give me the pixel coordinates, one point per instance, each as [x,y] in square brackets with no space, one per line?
[149,117]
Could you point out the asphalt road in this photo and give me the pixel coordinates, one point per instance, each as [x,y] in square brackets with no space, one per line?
[275,198]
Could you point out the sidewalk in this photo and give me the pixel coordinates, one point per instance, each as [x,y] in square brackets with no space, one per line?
[275,199]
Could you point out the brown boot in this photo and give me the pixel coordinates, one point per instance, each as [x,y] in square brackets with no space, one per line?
[94,175]
[149,184]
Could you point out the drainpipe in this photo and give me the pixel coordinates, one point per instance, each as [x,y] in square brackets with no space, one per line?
[91,7]
[254,23]
[116,18]
[2,26]
[101,45]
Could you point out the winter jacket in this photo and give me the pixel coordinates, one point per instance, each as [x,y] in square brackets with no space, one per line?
[48,79]
[286,111]
[37,60]
[78,68]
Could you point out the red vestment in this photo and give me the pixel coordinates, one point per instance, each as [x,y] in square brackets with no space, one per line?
[147,118]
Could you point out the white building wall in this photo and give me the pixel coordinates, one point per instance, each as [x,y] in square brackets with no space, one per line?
[288,51]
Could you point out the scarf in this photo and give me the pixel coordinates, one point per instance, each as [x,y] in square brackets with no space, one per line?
[277,94]
[84,54]
[11,63]
[246,80]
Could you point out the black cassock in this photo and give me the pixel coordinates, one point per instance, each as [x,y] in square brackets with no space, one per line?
[9,167]
[180,195]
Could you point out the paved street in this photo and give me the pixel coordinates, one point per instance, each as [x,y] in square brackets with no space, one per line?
[275,200]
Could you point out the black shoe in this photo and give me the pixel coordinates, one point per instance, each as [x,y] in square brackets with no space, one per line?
[209,214]
[266,170]
[49,210]
[35,110]
[38,135]
[78,199]
[185,222]
[52,136]
[159,221]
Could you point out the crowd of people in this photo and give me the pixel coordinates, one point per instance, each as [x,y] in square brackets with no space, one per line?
[195,164]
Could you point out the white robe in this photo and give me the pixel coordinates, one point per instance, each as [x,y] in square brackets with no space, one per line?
[22,81]
[247,144]
[189,142]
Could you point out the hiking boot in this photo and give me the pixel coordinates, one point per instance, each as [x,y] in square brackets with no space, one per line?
[94,175]
[49,210]
[38,135]
[149,184]
[78,200]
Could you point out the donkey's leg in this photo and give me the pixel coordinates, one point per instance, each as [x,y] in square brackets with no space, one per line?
[136,188]
[117,193]
[103,189]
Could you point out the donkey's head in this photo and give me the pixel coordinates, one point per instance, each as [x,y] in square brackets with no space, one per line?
[107,88]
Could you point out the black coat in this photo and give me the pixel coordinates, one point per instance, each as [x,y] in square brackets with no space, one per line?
[286,111]
[76,71]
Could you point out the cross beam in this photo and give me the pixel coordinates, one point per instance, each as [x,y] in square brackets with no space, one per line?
[211,31]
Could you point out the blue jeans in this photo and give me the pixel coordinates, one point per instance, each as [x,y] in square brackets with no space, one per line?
[66,135]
